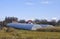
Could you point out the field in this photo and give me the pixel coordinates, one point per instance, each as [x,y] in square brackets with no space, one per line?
[25,34]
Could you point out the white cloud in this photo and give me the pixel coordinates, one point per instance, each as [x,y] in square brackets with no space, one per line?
[29,3]
[54,18]
[44,2]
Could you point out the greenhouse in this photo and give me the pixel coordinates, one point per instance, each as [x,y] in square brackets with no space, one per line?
[27,26]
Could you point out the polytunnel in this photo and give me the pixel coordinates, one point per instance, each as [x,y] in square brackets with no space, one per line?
[46,26]
[24,26]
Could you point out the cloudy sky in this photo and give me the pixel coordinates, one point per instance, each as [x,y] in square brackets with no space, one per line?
[30,9]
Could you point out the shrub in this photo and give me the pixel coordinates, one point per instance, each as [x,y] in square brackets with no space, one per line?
[49,29]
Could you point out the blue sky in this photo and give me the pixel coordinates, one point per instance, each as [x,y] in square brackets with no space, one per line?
[30,9]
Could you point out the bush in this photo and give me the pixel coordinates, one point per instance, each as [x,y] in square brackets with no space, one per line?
[49,29]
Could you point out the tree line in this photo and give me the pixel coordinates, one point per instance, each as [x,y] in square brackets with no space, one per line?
[36,21]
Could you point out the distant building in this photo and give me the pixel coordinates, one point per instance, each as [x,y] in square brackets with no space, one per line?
[30,22]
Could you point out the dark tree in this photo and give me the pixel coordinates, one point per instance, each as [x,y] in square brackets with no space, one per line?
[52,22]
[9,20]
[1,25]
[58,22]
[37,21]
[44,21]
[22,21]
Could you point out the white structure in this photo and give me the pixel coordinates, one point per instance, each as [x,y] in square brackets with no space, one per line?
[28,26]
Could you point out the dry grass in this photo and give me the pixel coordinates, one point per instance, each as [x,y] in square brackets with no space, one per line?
[54,29]
[25,34]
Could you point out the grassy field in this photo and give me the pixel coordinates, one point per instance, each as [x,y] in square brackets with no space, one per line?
[25,34]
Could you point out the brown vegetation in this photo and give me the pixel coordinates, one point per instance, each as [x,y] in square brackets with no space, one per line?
[25,34]
[55,29]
